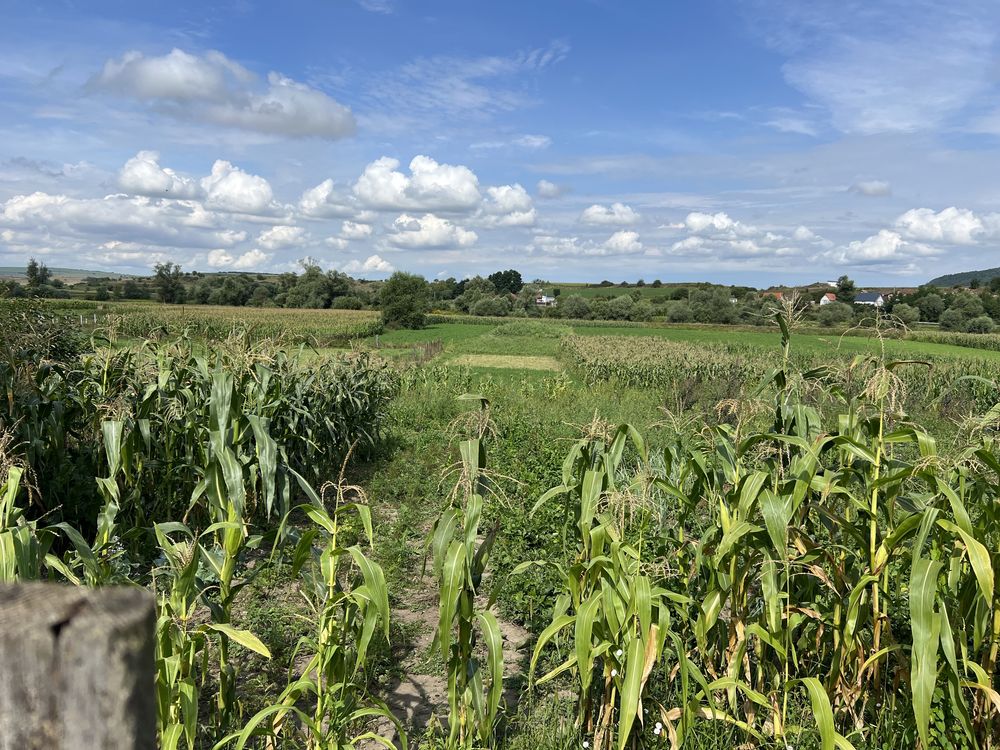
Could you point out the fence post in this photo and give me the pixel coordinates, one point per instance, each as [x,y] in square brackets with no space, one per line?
[76,668]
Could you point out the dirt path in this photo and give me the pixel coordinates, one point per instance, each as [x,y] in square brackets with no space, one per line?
[420,697]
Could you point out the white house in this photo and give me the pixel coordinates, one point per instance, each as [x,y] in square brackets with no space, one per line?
[870,298]
[827,298]
[543,300]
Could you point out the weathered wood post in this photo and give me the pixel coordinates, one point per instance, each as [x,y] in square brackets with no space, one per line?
[76,668]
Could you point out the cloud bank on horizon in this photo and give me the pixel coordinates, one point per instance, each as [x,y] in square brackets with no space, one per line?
[761,142]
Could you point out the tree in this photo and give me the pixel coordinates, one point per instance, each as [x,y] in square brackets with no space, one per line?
[405,299]
[495,306]
[931,306]
[37,275]
[845,289]
[473,290]
[168,282]
[907,314]
[574,306]
[712,306]
[952,319]
[509,281]
[657,284]
[315,289]
[620,308]
[995,285]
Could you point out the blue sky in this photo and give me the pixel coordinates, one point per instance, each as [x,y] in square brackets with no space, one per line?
[745,141]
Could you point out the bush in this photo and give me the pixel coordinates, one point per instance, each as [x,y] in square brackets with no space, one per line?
[494,305]
[680,313]
[835,313]
[953,319]
[348,302]
[980,324]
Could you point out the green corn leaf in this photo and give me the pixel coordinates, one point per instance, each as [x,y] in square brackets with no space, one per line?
[452,582]
[494,659]
[547,635]
[243,637]
[979,558]
[631,691]
[582,636]
[923,585]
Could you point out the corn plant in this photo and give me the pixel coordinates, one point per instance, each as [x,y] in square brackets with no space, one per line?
[616,616]
[347,596]
[23,547]
[184,642]
[459,559]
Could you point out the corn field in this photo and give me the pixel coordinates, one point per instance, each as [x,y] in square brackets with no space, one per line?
[810,571]
[139,320]
[738,369]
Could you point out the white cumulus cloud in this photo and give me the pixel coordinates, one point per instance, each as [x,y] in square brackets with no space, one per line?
[957,226]
[509,206]
[229,188]
[143,175]
[326,201]
[212,88]
[281,236]
[353,230]
[429,231]
[886,246]
[220,258]
[871,188]
[372,264]
[549,190]
[430,186]
[616,213]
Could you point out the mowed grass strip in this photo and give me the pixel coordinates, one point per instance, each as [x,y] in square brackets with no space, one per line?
[506,362]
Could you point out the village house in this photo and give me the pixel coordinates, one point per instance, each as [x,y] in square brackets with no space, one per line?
[827,298]
[543,300]
[875,299]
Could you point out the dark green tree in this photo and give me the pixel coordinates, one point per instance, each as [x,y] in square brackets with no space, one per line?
[37,275]
[404,299]
[507,281]
[167,280]
[846,291]
[931,306]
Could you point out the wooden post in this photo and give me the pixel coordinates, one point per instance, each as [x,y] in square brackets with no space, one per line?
[76,668]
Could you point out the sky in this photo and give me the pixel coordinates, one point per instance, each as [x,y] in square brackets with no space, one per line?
[750,142]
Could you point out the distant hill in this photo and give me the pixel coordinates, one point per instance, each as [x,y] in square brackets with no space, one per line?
[963,279]
[68,275]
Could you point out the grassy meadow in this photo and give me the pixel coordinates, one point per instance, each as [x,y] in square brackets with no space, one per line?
[518,534]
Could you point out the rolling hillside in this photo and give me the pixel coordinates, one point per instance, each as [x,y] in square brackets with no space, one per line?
[963,279]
